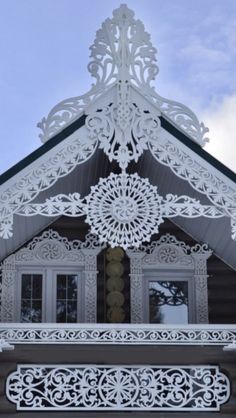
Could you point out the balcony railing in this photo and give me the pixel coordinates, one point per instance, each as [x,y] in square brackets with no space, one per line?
[133,334]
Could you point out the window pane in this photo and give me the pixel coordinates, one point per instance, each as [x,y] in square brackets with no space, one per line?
[61,311]
[25,310]
[61,286]
[67,285]
[36,311]
[26,286]
[37,286]
[71,311]
[168,302]
[31,293]
[72,286]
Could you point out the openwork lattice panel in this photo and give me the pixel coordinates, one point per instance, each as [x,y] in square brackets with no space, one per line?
[91,387]
[125,334]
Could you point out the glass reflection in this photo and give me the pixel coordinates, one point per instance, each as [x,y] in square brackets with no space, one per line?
[168,302]
[66,298]
[31,297]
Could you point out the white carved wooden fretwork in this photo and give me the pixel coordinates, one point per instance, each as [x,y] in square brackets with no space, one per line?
[171,255]
[122,117]
[122,55]
[50,249]
[186,166]
[23,189]
[124,128]
[116,388]
[123,210]
[113,334]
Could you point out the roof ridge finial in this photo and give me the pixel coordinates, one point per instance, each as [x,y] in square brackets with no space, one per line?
[123,55]
[122,50]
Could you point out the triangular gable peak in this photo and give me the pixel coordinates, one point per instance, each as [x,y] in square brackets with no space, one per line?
[123,116]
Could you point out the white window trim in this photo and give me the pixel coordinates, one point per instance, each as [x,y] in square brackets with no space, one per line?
[172,256]
[51,251]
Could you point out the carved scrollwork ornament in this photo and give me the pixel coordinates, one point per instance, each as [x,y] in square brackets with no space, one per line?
[122,117]
[117,388]
[122,51]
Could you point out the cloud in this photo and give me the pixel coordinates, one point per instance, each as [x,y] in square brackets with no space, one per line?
[221,122]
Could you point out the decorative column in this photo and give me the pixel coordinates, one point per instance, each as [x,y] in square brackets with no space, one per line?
[90,284]
[201,290]
[136,286]
[8,290]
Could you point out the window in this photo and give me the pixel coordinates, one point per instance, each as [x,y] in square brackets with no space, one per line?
[169,298]
[51,279]
[168,282]
[50,295]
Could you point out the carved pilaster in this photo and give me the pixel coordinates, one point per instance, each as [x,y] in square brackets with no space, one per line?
[8,290]
[90,285]
[136,287]
[201,289]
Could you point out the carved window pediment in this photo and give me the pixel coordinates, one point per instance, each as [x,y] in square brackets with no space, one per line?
[168,254]
[44,254]
[165,261]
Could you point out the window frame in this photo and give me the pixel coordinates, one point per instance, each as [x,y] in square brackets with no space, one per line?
[49,289]
[52,251]
[173,257]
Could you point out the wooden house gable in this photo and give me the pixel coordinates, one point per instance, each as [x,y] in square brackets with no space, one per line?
[123,154]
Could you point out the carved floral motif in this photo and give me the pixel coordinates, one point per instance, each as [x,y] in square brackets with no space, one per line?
[123,210]
[92,387]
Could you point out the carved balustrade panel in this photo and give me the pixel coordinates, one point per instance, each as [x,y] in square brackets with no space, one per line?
[107,388]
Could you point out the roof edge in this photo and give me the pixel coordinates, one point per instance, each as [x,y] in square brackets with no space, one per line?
[168,126]
[26,161]
[182,137]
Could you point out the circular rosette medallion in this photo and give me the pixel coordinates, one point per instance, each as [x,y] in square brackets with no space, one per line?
[123,210]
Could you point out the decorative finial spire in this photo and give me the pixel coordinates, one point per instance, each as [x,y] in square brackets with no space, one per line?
[122,50]
[122,53]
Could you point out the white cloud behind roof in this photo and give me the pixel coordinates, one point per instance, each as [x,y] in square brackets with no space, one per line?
[45,52]
[222,123]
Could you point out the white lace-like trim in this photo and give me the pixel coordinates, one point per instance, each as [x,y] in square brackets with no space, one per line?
[107,388]
[122,210]
[122,52]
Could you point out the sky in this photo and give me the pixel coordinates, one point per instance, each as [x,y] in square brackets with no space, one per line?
[45,44]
